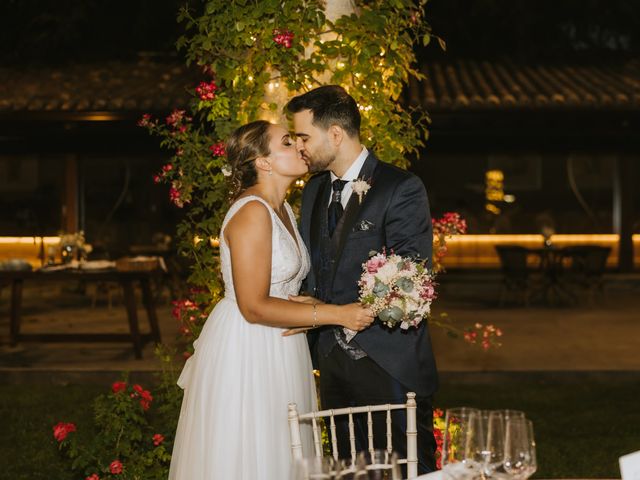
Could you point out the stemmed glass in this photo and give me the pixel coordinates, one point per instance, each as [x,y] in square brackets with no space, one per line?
[381,465]
[464,443]
[520,449]
[315,468]
[494,427]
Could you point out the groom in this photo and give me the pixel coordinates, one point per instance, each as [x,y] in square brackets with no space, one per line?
[340,227]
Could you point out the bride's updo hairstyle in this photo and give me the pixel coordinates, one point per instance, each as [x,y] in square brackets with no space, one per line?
[245,144]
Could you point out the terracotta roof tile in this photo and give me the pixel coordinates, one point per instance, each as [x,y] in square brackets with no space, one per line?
[481,85]
[456,85]
[108,86]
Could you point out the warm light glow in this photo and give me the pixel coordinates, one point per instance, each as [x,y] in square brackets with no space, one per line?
[214,242]
[197,240]
[509,198]
[29,240]
[340,65]
[494,186]
[491,208]
[478,251]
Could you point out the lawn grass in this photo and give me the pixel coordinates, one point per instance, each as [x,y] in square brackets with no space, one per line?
[583,423]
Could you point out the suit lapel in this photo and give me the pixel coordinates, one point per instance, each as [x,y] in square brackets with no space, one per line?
[354,206]
[319,218]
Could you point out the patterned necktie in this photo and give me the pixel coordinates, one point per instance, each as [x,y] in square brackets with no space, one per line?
[335,207]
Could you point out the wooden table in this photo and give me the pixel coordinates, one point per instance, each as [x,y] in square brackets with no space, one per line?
[125,279]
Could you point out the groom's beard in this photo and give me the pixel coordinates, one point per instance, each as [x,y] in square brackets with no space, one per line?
[319,164]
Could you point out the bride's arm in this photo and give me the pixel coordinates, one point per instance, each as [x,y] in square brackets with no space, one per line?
[248,235]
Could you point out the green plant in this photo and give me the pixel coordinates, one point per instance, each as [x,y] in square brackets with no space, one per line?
[254,56]
[122,443]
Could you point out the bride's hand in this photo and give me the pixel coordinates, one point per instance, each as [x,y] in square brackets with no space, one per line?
[305,299]
[356,317]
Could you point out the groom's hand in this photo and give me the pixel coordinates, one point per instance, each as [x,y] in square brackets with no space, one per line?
[295,331]
[305,299]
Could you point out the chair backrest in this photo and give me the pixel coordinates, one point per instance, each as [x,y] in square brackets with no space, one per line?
[412,432]
[513,259]
[590,260]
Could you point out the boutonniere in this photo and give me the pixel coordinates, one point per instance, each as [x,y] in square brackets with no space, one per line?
[361,187]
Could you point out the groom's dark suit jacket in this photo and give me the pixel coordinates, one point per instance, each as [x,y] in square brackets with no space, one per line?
[393,214]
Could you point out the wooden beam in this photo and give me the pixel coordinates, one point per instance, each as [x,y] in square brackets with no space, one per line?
[623,183]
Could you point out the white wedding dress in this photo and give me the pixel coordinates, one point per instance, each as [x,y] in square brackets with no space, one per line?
[237,385]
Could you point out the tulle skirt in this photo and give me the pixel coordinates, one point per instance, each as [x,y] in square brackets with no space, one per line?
[237,386]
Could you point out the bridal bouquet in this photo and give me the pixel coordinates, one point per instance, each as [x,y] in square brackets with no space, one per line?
[399,290]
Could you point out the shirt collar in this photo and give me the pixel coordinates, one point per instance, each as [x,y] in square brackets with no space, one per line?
[355,167]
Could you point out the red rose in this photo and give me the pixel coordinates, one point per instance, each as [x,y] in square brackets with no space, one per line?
[145,120]
[61,430]
[138,389]
[118,387]
[115,467]
[218,149]
[93,477]
[158,439]
[207,91]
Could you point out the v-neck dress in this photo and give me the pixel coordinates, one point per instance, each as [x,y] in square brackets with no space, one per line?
[242,376]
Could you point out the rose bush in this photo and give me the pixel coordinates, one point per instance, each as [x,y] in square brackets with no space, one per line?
[123,443]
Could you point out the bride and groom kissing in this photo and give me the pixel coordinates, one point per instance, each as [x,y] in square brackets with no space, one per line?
[252,358]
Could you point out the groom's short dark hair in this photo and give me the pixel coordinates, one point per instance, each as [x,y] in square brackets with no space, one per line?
[330,105]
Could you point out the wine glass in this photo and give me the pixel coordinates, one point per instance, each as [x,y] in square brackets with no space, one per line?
[315,468]
[464,443]
[519,449]
[351,469]
[381,465]
[533,465]
[494,427]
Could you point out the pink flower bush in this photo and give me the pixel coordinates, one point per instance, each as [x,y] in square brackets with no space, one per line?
[487,335]
[145,120]
[218,149]
[283,37]
[145,396]
[62,429]
[175,118]
[118,387]
[115,467]
[207,90]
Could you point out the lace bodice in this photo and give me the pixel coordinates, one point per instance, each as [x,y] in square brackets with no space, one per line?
[289,266]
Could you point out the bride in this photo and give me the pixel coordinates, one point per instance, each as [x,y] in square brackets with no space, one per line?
[246,369]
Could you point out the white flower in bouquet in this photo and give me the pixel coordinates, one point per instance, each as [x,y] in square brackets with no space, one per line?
[398,290]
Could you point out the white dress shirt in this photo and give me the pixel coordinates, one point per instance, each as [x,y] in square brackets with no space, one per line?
[349,176]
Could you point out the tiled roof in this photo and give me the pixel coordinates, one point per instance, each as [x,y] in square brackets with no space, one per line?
[108,86]
[480,85]
[456,85]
